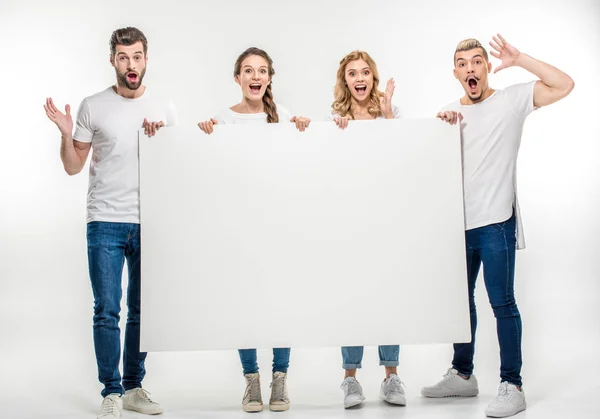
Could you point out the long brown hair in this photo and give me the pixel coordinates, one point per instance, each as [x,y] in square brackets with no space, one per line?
[268,102]
[342,103]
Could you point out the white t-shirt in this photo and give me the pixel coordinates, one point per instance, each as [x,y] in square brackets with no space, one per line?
[491,135]
[111,123]
[227,116]
[395,111]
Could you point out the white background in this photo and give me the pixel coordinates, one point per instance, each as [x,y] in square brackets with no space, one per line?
[60,49]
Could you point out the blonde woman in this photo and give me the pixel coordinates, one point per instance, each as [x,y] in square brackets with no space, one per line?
[253,71]
[357,97]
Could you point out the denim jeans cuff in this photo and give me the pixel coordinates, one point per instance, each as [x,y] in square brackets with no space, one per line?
[516,383]
[463,372]
[351,366]
[389,363]
[108,391]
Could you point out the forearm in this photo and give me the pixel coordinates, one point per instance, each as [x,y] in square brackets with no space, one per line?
[549,75]
[72,161]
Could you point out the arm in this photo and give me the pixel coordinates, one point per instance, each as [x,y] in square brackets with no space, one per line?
[73,153]
[553,84]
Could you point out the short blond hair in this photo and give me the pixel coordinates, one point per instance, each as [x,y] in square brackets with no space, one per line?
[469,44]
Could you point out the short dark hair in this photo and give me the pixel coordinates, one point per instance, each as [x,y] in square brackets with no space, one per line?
[127,36]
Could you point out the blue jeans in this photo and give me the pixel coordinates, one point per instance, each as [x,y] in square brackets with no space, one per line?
[352,356]
[494,246]
[109,245]
[281,360]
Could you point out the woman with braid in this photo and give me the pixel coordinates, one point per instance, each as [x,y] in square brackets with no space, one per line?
[253,72]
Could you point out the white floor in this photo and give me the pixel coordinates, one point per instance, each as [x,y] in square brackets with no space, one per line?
[575,404]
[209,385]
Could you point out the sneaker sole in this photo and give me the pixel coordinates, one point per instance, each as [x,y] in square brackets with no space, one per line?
[472,393]
[395,403]
[279,407]
[352,404]
[143,411]
[253,409]
[505,415]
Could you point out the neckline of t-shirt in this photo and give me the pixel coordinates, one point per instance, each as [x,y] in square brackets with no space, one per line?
[478,103]
[246,115]
[126,99]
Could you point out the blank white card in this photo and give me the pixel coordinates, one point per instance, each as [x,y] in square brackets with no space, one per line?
[260,236]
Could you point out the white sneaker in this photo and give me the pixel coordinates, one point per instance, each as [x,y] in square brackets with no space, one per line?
[138,400]
[279,395]
[111,407]
[353,393]
[453,385]
[392,391]
[509,401]
[252,401]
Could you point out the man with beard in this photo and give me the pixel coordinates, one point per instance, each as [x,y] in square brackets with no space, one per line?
[108,123]
[491,126]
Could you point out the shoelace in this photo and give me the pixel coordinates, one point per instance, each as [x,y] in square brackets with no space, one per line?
[278,386]
[396,384]
[352,386]
[109,405]
[144,395]
[503,394]
[254,390]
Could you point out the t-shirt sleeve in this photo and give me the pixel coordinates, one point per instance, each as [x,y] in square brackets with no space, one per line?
[396,111]
[454,106]
[520,96]
[171,115]
[331,116]
[220,117]
[83,126]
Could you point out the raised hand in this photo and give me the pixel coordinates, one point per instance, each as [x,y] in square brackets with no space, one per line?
[207,126]
[385,101]
[63,121]
[504,52]
[150,128]
[301,122]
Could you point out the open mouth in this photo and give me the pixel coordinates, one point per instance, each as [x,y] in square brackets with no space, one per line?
[132,77]
[255,88]
[472,81]
[361,89]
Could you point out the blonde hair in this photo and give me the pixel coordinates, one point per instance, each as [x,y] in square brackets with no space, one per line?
[469,44]
[342,103]
[268,101]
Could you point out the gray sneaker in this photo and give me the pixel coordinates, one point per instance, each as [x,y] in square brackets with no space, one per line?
[252,401]
[392,391]
[111,407]
[353,393]
[279,396]
[139,400]
[452,385]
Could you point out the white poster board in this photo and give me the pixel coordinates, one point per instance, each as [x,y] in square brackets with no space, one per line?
[260,236]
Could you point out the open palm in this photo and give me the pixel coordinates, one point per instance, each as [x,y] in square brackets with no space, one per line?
[63,121]
[385,101]
[504,52]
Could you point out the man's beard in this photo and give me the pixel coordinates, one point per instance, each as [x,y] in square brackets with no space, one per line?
[123,81]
